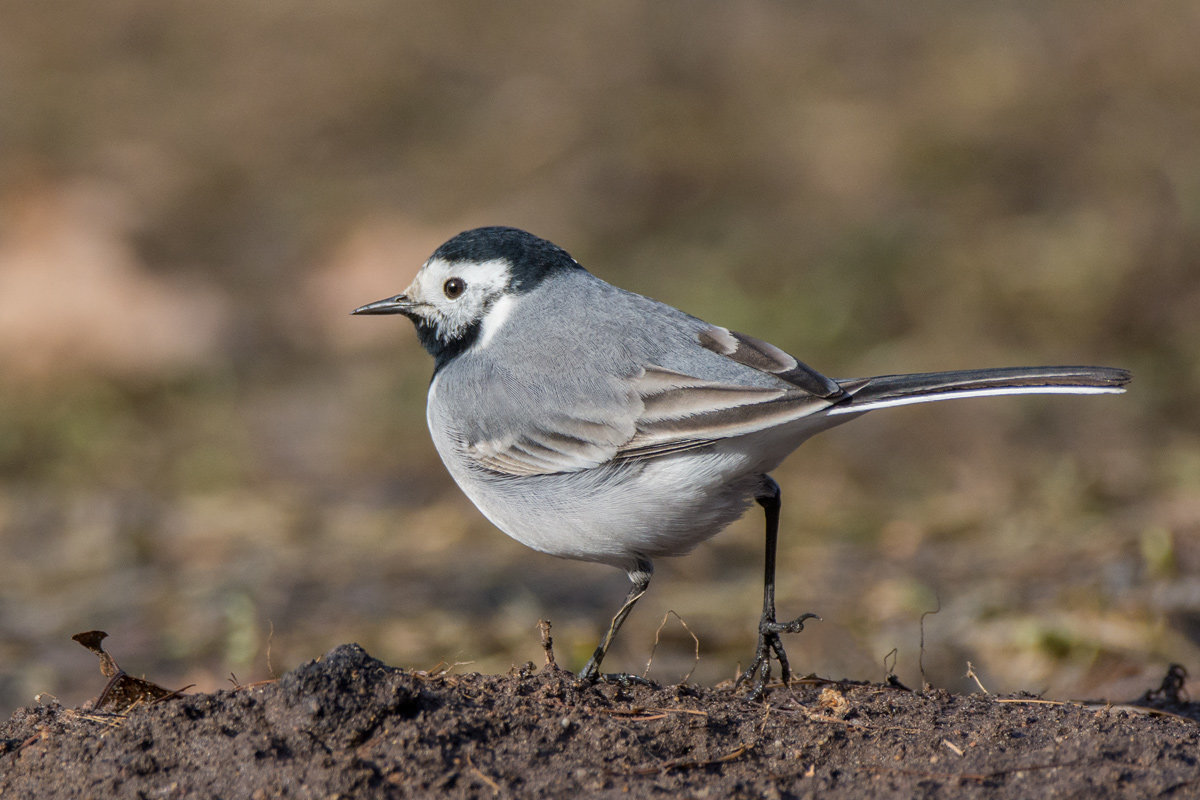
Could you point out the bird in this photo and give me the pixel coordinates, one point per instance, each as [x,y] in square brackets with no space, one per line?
[592,423]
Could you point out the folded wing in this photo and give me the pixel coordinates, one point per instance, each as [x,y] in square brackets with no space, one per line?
[660,411]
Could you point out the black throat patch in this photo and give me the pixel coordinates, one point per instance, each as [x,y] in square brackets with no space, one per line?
[444,351]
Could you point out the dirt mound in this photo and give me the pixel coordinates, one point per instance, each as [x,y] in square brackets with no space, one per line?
[348,725]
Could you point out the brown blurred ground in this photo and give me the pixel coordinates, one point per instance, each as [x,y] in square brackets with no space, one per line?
[198,444]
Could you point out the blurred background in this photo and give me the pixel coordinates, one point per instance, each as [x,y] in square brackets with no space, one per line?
[202,453]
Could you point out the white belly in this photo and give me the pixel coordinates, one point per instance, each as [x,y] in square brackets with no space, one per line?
[615,514]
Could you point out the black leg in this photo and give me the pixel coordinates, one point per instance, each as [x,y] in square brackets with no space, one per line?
[640,576]
[768,628]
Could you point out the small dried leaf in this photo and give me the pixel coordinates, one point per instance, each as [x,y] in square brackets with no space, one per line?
[123,691]
[91,640]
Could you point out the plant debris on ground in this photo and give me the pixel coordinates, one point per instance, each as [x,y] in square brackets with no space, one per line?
[347,725]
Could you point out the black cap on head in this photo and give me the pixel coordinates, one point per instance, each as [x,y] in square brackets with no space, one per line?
[532,258]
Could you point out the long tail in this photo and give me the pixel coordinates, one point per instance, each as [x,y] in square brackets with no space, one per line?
[885,391]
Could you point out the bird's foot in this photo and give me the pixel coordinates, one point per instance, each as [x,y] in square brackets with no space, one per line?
[770,643]
[623,679]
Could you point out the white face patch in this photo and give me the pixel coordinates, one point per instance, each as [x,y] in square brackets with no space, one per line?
[496,316]
[452,314]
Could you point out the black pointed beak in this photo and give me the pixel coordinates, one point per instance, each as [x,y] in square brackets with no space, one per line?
[400,304]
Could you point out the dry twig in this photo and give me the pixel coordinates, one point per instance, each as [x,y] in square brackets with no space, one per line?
[658,633]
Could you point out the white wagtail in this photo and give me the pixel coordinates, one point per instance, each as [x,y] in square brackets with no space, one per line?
[592,423]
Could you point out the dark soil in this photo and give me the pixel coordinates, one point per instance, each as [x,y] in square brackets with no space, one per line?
[347,725]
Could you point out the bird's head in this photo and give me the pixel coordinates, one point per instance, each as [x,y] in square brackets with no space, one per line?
[469,286]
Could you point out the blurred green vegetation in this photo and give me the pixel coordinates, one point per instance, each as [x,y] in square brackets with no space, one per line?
[198,446]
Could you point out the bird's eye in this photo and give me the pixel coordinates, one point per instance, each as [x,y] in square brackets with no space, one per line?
[454,287]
